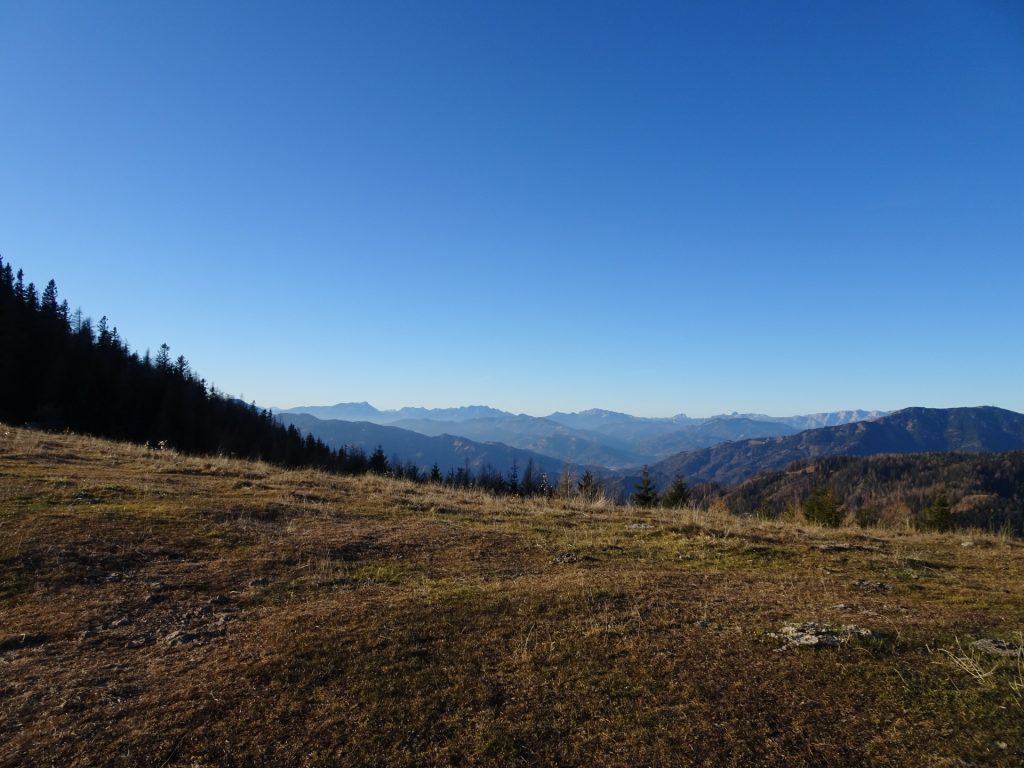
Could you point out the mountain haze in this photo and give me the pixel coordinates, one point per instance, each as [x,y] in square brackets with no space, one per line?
[711,432]
[535,434]
[450,452]
[595,437]
[366,412]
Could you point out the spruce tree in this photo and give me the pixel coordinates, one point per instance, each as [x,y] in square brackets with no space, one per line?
[822,507]
[529,484]
[163,357]
[939,515]
[678,494]
[589,487]
[645,494]
[49,301]
[379,462]
[513,478]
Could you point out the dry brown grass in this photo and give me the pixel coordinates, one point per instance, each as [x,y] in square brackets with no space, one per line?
[171,611]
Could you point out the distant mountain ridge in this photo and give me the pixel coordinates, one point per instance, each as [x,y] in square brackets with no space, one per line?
[812,420]
[366,412]
[911,430]
[595,437]
[534,434]
[449,452]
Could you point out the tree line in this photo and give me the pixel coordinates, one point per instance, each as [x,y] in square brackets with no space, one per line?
[61,370]
[931,491]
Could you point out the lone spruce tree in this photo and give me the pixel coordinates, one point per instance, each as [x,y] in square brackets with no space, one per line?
[379,464]
[939,515]
[823,508]
[645,494]
[678,494]
[589,487]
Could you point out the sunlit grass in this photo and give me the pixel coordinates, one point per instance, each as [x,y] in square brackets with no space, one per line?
[369,621]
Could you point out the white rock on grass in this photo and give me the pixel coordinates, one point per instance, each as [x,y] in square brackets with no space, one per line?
[812,635]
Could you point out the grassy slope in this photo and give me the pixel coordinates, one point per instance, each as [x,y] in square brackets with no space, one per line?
[365,621]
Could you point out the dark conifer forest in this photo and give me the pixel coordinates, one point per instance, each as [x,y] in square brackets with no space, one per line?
[61,371]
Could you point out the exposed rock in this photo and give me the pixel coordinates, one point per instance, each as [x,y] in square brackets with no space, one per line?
[846,548]
[871,586]
[567,557]
[996,647]
[812,635]
[182,637]
[640,526]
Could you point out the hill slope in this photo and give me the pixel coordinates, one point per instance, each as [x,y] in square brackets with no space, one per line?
[176,611]
[912,430]
[985,490]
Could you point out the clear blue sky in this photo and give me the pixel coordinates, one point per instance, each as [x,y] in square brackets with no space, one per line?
[700,207]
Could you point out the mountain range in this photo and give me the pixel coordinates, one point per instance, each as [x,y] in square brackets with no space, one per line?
[595,438]
[449,452]
[911,430]
[725,450]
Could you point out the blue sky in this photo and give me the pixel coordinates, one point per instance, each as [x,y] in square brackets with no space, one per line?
[650,207]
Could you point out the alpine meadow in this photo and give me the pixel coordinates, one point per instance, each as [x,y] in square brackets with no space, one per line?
[562,384]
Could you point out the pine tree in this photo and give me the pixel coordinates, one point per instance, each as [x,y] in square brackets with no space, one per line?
[822,507]
[939,515]
[529,484]
[678,494]
[163,358]
[104,332]
[513,478]
[589,487]
[379,464]
[49,300]
[181,368]
[645,494]
[435,473]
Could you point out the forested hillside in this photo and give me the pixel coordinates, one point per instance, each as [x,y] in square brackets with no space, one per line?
[981,490]
[59,370]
